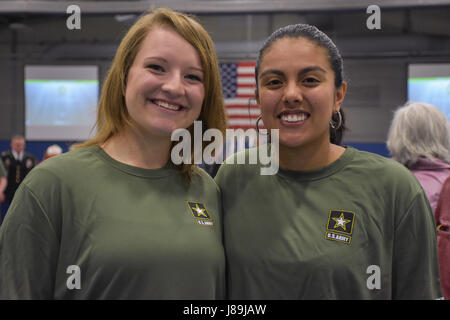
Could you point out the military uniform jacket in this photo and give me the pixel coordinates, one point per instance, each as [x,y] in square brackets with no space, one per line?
[16,170]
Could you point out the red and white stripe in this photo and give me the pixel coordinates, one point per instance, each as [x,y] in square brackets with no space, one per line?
[243,110]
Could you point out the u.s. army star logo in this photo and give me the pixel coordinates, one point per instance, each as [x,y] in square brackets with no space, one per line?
[340,226]
[200,214]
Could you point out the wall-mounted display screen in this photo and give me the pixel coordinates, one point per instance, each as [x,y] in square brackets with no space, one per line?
[430,83]
[60,102]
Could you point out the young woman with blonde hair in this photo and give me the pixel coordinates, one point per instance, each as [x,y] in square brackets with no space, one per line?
[115,218]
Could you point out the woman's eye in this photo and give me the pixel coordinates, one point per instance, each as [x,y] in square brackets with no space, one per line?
[273,82]
[311,80]
[155,67]
[194,77]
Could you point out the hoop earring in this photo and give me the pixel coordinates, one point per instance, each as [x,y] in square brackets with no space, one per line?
[257,125]
[333,125]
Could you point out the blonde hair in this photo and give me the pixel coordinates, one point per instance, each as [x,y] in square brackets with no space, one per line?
[112,114]
[419,130]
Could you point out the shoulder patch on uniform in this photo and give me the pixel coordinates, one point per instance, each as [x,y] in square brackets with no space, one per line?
[200,214]
[340,226]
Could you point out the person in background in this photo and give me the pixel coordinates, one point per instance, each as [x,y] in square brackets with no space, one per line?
[52,151]
[18,163]
[419,138]
[3,184]
[442,215]
[333,222]
[117,218]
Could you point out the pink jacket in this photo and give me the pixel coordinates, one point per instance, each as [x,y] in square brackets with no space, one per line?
[431,175]
[443,239]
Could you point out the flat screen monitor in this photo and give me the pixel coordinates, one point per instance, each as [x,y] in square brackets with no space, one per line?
[60,102]
[430,83]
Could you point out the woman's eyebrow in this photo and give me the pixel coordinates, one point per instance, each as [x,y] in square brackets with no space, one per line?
[199,69]
[274,71]
[154,58]
[161,59]
[312,68]
[301,72]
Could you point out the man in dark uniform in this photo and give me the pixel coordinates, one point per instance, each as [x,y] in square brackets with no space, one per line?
[17,163]
[3,184]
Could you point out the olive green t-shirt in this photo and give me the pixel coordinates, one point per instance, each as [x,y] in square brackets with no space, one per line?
[360,228]
[85,226]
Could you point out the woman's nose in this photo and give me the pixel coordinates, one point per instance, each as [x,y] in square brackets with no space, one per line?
[173,84]
[292,94]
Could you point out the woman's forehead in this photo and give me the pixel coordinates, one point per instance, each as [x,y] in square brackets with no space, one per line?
[295,52]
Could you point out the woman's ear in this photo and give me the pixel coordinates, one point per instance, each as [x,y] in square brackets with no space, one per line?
[340,95]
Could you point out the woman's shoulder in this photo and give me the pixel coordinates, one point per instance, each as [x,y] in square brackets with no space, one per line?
[77,157]
[383,171]
[73,163]
[201,176]
[373,161]
[242,161]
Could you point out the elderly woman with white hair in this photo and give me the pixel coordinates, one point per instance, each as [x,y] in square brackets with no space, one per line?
[52,151]
[419,138]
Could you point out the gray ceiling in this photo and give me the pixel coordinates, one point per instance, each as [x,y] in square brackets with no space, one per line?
[209,6]
[36,29]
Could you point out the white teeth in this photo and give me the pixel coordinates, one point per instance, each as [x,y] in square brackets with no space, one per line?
[167,106]
[293,117]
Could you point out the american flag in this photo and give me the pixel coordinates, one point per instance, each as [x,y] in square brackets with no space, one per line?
[238,85]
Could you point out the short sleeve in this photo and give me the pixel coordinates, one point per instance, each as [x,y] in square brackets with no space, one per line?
[415,261]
